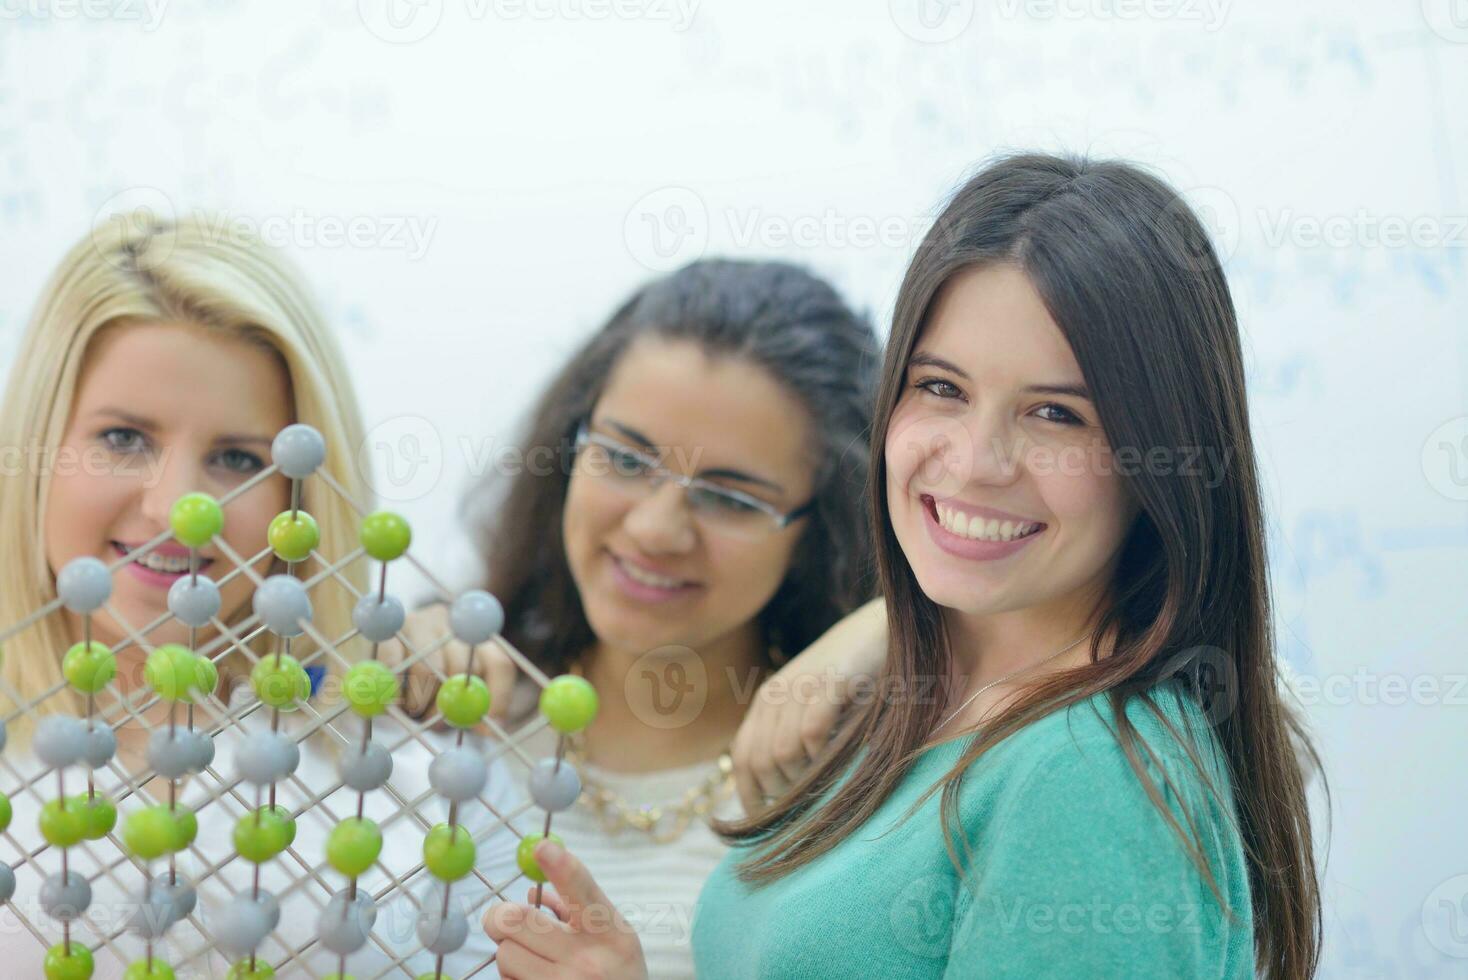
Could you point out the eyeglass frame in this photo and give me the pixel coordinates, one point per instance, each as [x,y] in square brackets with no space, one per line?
[585,436]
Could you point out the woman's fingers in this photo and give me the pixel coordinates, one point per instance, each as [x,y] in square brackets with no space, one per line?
[550,900]
[536,930]
[516,962]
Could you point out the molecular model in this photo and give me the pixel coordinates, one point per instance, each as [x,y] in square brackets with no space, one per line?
[256,858]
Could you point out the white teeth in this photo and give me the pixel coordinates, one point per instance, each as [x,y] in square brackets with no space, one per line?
[979,529]
[167,564]
[162,563]
[647,578]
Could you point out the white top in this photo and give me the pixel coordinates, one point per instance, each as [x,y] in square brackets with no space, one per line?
[116,882]
[654,885]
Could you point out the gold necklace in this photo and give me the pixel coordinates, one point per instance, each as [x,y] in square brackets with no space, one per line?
[663,823]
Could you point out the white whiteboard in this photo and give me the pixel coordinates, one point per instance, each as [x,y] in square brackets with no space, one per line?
[517,166]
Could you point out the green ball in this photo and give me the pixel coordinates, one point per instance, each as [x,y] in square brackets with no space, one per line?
[186,824]
[525,854]
[263,833]
[63,822]
[280,681]
[62,963]
[293,538]
[353,846]
[171,670]
[206,676]
[138,970]
[89,666]
[6,813]
[463,700]
[448,852]
[385,535]
[196,518]
[151,832]
[370,687]
[242,971]
[99,814]
[569,703]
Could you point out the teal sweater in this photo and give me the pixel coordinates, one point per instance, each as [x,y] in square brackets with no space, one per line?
[1075,872]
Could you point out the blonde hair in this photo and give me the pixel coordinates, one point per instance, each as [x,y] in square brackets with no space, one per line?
[185,271]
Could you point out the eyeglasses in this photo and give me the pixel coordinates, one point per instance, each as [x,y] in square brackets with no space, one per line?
[720,509]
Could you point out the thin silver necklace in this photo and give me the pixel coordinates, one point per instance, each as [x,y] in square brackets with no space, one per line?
[1012,674]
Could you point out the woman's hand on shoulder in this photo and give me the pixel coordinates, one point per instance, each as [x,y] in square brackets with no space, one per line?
[796,710]
[432,651]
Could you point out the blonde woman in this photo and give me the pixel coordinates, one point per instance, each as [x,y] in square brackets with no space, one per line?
[162,359]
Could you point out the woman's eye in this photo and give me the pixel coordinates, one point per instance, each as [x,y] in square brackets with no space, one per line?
[240,461]
[125,440]
[723,502]
[1066,416]
[939,387]
[628,464]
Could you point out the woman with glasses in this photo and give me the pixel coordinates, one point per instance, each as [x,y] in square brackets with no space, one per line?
[691,515]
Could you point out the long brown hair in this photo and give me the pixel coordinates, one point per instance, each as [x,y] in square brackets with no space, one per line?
[1127,272]
[776,316]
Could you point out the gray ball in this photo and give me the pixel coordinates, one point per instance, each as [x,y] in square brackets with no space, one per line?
[59,740]
[346,922]
[161,905]
[202,747]
[194,601]
[458,774]
[266,757]
[367,770]
[84,584]
[101,744]
[65,899]
[271,905]
[7,882]
[282,604]
[170,753]
[242,924]
[475,617]
[442,935]
[298,450]
[378,619]
[552,789]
